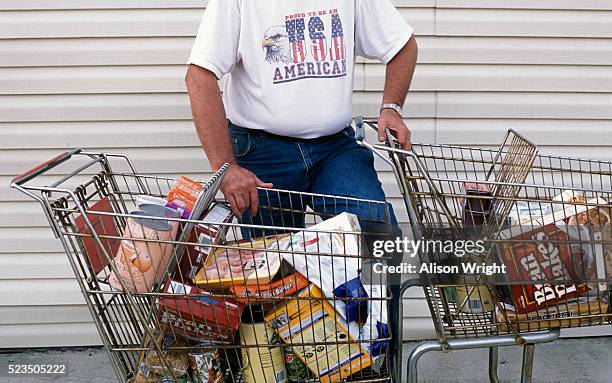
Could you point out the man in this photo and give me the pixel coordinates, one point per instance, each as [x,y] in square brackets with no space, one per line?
[287,98]
[290,74]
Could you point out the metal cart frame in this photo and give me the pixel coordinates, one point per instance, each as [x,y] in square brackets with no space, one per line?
[427,177]
[129,321]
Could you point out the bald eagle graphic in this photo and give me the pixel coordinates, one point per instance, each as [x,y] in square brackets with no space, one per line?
[276,45]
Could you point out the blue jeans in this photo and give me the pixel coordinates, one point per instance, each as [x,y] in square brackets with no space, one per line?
[333,165]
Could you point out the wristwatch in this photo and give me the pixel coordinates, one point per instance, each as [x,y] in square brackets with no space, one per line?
[396,107]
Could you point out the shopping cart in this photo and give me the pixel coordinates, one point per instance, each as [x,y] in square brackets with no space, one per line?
[136,271]
[546,218]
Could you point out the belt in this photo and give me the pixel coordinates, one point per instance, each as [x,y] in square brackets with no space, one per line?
[263,134]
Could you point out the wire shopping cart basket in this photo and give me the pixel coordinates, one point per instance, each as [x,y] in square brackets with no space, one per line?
[543,229]
[181,292]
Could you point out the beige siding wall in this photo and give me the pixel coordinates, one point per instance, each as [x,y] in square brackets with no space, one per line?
[107,75]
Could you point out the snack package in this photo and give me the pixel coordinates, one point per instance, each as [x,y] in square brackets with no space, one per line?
[184,195]
[211,367]
[336,354]
[241,263]
[539,255]
[330,259]
[209,233]
[263,292]
[567,314]
[199,317]
[152,369]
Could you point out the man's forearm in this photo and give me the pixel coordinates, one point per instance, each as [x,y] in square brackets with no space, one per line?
[399,73]
[209,116]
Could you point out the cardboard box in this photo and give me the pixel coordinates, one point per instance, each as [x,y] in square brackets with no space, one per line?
[307,320]
[284,287]
[208,234]
[542,256]
[199,317]
[565,315]
[242,263]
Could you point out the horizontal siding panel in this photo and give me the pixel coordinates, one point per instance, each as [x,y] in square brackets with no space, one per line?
[513,50]
[509,78]
[95,51]
[100,23]
[175,51]
[32,240]
[136,23]
[101,134]
[475,132]
[11,315]
[33,5]
[102,79]
[169,106]
[48,266]
[49,335]
[527,4]
[370,77]
[534,23]
[595,106]
[38,292]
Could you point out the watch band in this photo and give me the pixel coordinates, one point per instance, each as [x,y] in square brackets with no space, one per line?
[395,107]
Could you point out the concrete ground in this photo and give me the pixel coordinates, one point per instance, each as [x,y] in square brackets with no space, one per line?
[566,360]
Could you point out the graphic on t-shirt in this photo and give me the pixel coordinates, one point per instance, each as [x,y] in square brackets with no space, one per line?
[309,45]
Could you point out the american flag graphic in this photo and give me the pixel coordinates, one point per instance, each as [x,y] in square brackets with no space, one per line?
[337,51]
[319,44]
[295,31]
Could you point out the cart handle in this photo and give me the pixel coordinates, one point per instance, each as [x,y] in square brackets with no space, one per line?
[44,167]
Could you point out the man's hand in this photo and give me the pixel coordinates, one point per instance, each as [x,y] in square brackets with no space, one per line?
[390,119]
[240,189]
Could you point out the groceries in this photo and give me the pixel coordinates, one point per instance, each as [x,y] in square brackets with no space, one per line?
[328,254]
[239,263]
[199,316]
[104,225]
[144,252]
[262,351]
[574,313]
[208,234]
[540,254]
[297,372]
[477,204]
[184,195]
[558,245]
[211,367]
[283,287]
[327,348]
[156,368]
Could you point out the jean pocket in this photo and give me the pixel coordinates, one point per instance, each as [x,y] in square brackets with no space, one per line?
[241,143]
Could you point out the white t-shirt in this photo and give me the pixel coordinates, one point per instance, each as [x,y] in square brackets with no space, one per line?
[290,63]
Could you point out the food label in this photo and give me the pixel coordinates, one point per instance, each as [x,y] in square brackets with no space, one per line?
[543,257]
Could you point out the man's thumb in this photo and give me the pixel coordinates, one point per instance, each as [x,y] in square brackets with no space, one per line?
[262,184]
[382,134]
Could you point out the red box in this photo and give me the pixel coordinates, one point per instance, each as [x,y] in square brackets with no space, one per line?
[200,317]
[536,259]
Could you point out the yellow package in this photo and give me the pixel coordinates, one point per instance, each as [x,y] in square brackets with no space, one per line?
[315,329]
